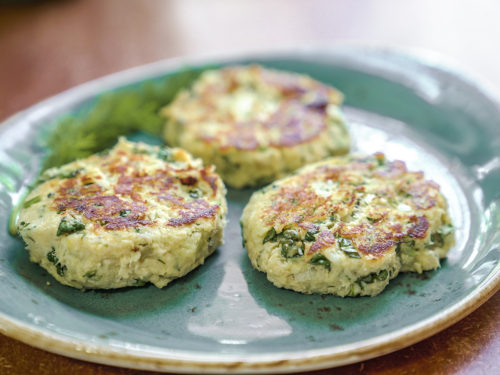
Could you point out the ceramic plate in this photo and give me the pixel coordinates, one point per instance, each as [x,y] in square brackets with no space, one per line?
[225,316]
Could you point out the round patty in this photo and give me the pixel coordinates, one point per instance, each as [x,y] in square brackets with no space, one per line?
[346,226]
[256,124]
[134,215]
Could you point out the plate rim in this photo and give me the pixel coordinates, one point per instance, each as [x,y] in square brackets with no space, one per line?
[313,359]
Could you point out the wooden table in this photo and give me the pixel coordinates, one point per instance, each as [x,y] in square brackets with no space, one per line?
[50,46]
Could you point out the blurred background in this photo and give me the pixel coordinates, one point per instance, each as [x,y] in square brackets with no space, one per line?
[50,46]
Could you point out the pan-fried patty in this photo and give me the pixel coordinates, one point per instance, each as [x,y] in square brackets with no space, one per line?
[346,226]
[134,215]
[256,124]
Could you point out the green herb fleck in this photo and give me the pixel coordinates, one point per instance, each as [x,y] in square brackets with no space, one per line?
[32,201]
[124,213]
[406,248]
[310,236]
[320,259]
[90,274]
[291,249]
[353,292]
[380,276]
[347,247]
[270,235]
[68,227]
[52,258]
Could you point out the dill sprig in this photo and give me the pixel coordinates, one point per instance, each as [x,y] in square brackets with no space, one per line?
[116,113]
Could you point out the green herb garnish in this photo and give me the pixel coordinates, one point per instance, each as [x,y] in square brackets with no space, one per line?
[310,235]
[437,238]
[113,114]
[52,258]
[320,259]
[407,248]
[347,247]
[380,276]
[270,235]
[68,227]
[291,248]
[124,213]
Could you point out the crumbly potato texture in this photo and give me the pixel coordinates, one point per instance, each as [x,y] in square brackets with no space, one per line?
[347,226]
[255,124]
[133,215]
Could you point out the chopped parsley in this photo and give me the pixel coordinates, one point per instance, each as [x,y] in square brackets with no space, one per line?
[406,248]
[380,276]
[69,226]
[310,235]
[320,259]
[347,247]
[270,235]
[52,258]
[291,248]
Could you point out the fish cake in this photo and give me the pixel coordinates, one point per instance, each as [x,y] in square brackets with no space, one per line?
[255,124]
[346,226]
[134,215]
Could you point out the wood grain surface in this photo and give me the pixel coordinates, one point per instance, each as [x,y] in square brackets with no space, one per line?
[49,46]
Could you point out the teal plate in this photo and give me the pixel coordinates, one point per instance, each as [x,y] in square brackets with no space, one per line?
[225,316]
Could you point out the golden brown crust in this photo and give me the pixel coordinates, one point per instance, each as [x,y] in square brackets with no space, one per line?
[255,124]
[372,202]
[127,203]
[300,116]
